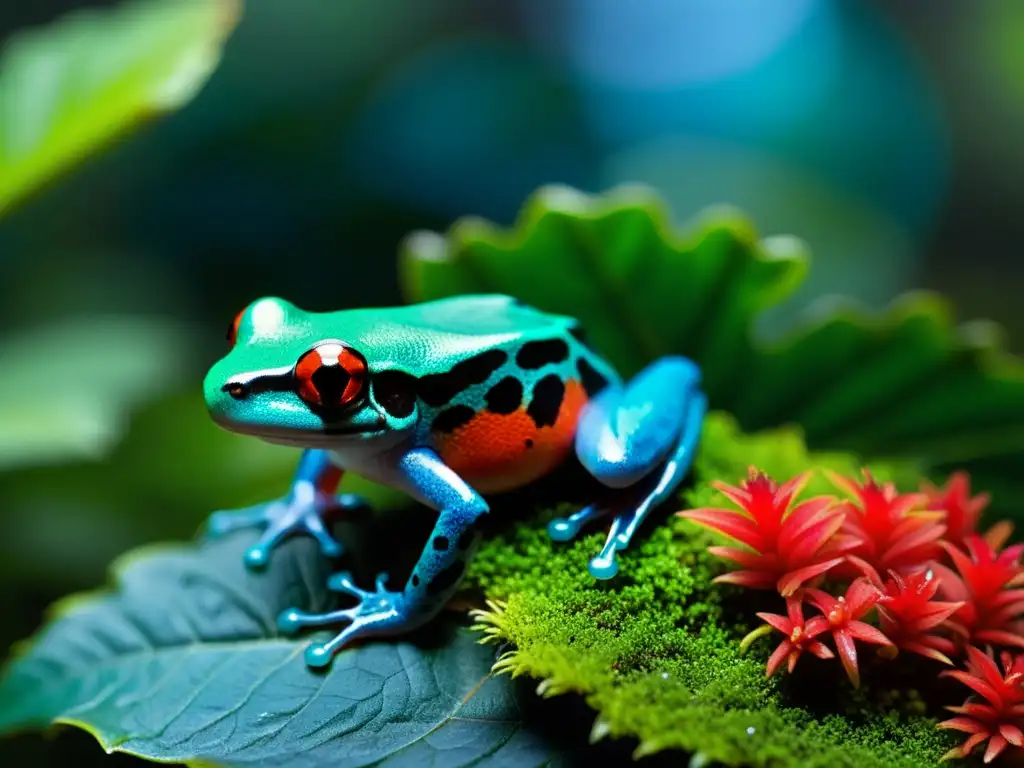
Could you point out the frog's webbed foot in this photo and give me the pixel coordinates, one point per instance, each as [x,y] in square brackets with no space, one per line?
[640,440]
[378,612]
[435,577]
[303,511]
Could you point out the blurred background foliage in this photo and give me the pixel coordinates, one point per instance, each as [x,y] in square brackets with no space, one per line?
[884,134]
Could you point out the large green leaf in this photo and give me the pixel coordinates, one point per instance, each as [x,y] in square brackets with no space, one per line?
[68,387]
[69,88]
[182,663]
[613,263]
[909,383]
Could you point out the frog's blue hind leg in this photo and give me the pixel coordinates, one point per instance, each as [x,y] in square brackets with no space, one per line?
[437,574]
[639,436]
[303,510]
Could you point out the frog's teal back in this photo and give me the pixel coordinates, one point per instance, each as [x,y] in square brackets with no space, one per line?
[433,337]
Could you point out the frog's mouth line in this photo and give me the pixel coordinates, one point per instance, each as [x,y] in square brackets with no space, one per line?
[298,438]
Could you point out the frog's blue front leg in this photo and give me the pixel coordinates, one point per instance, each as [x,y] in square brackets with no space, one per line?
[302,511]
[641,437]
[435,578]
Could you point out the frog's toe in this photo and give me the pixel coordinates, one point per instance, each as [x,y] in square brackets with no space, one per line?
[319,656]
[567,528]
[381,613]
[292,620]
[226,521]
[603,567]
[257,556]
[313,524]
[562,529]
[342,582]
[282,520]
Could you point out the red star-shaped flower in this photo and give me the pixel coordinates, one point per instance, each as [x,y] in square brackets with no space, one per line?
[997,719]
[788,546]
[799,634]
[843,615]
[962,510]
[893,530]
[908,614]
[992,606]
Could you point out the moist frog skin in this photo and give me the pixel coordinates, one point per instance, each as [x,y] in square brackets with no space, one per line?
[447,401]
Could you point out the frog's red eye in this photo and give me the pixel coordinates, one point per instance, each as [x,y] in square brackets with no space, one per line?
[233,328]
[330,375]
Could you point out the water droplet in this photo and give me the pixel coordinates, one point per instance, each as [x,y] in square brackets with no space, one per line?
[750,730]
[664,675]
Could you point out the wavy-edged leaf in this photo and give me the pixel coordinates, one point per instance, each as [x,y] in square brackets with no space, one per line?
[182,663]
[74,85]
[906,383]
[614,262]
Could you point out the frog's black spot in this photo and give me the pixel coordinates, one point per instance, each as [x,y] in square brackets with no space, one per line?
[592,381]
[505,396]
[452,418]
[441,543]
[436,389]
[537,354]
[395,392]
[415,580]
[578,332]
[447,578]
[529,443]
[547,400]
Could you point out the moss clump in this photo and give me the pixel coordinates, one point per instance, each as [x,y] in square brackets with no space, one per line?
[656,651]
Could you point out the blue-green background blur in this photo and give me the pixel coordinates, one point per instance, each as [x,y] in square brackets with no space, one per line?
[886,134]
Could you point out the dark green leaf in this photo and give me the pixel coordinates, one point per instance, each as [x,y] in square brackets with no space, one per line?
[908,383]
[613,262]
[182,663]
[69,88]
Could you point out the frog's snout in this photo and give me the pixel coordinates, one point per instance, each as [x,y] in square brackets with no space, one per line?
[220,395]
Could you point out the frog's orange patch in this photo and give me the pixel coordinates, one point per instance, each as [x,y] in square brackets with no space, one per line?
[498,452]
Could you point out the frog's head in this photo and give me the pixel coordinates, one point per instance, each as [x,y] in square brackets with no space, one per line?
[286,381]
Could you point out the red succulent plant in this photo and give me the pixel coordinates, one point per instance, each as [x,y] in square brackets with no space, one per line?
[788,546]
[893,530]
[908,615]
[963,511]
[924,607]
[986,584]
[800,636]
[843,615]
[996,719]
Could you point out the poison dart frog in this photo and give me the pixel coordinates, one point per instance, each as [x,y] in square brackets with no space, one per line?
[447,401]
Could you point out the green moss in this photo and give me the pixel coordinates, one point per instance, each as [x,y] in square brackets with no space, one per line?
[656,651]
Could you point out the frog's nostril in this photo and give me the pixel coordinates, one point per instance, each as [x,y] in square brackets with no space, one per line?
[236,390]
